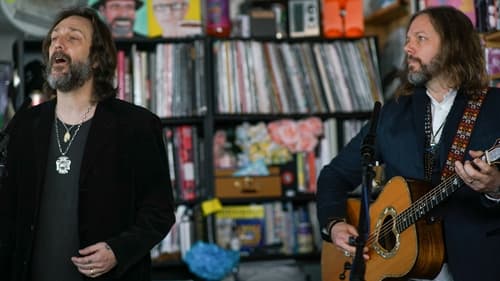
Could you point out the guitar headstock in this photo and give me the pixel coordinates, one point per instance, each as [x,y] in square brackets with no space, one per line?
[493,154]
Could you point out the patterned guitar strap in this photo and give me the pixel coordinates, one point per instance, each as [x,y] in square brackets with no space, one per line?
[461,139]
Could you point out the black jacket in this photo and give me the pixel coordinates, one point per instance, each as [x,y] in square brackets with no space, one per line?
[125,195]
[471,223]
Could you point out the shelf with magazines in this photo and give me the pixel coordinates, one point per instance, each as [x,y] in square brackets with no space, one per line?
[309,76]
[264,89]
[165,76]
[270,228]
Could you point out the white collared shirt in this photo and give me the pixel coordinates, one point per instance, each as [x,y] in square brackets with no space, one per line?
[439,112]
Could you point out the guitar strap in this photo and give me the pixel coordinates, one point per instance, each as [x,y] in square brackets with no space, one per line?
[461,139]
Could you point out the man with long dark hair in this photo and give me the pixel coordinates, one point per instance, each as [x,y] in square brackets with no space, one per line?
[88,192]
[437,128]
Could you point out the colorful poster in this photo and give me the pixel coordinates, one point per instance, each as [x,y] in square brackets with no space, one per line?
[126,18]
[174,18]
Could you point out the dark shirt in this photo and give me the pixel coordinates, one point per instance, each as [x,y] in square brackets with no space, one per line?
[57,229]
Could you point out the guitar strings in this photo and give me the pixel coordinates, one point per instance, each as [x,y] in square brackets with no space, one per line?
[411,210]
[445,184]
[388,227]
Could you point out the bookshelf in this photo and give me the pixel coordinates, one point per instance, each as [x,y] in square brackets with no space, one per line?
[269,54]
[205,122]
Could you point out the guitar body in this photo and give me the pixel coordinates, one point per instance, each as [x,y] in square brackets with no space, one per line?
[417,251]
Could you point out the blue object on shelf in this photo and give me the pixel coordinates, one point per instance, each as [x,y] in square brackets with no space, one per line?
[210,261]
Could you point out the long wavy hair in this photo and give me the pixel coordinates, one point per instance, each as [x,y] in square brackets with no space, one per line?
[461,55]
[102,56]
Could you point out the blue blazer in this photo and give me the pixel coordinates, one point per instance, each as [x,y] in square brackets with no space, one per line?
[125,195]
[471,222]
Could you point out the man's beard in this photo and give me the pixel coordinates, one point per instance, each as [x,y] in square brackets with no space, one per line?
[78,74]
[426,72]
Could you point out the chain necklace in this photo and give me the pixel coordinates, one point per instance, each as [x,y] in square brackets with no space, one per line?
[63,163]
[67,135]
[435,134]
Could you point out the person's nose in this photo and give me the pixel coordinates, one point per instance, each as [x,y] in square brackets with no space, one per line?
[57,44]
[409,47]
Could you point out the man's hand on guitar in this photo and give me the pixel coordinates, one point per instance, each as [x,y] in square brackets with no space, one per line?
[479,175]
[340,234]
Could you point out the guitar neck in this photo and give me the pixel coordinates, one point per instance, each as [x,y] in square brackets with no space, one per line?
[423,205]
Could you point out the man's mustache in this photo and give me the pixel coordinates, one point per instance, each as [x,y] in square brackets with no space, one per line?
[59,55]
[413,59]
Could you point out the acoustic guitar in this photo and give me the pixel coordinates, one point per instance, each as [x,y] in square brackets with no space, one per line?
[402,243]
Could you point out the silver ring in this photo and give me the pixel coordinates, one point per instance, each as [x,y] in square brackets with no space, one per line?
[347,253]
[91,271]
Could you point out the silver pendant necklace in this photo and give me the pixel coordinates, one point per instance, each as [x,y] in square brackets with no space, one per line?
[63,163]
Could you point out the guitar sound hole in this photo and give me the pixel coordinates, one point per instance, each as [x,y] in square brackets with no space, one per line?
[387,239]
